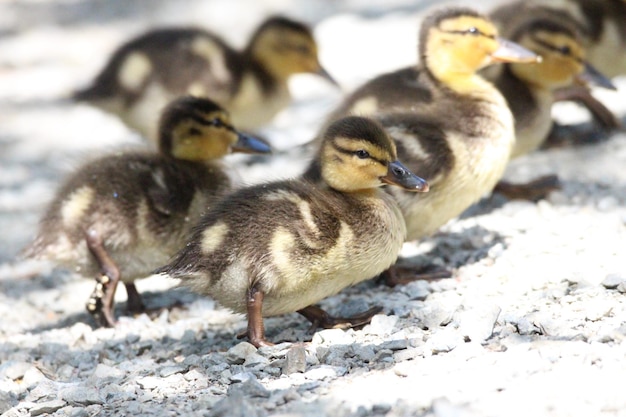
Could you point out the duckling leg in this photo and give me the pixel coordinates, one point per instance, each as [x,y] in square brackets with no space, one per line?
[533,191]
[402,275]
[320,318]
[600,113]
[100,303]
[256,329]
[134,302]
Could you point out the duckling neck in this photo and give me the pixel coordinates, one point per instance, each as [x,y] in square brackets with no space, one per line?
[464,81]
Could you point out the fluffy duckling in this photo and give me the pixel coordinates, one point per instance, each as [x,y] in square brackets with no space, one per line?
[529,89]
[554,26]
[280,247]
[604,22]
[121,216]
[450,126]
[149,71]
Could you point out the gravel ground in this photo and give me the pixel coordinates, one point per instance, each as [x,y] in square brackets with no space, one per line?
[532,323]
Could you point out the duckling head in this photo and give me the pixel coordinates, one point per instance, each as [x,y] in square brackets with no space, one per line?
[286,47]
[563,56]
[197,129]
[358,155]
[456,42]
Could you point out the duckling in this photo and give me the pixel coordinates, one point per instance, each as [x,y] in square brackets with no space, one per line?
[450,126]
[604,22]
[121,216]
[515,19]
[154,68]
[280,247]
[530,89]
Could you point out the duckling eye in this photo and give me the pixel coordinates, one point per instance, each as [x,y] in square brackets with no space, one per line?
[565,50]
[362,154]
[217,123]
[473,31]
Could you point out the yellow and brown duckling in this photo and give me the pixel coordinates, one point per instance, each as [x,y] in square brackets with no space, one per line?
[280,247]
[149,71]
[121,216]
[529,89]
[604,23]
[562,40]
[450,126]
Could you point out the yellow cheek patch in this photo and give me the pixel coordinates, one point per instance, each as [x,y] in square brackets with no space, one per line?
[75,206]
[213,237]
[134,71]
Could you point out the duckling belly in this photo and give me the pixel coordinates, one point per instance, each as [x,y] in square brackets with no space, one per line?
[533,129]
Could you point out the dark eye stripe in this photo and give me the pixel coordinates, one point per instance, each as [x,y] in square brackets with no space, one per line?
[471,31]
[351,152]
[561,50]
[211,122]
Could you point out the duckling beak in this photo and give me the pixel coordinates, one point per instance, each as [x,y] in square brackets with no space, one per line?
[511,52]
[324,74]
[249,144]
[592,76]
[398,174]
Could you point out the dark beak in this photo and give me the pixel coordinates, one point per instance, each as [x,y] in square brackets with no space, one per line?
[248,144]
[512,52]
[324,74]
[592,76]
[399,175]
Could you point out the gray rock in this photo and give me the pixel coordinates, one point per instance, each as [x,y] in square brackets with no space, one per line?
[250,388]
[394,344]
[295,360]
[477,322]
[103,371]
[444,340]
[332,337]
[47,407]
[381,325]
[33,376]
[240,352]
[7,400]
[366,353]
[14,370]
[612,281]
[45,389]
[322,372]
[150,382]
[172,369]
[76,394]
[236,404]
[336,355]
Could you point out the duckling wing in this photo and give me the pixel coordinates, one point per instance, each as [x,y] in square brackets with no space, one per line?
[401,89]
[421,144]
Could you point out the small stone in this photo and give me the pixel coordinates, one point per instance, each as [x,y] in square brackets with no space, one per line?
[250,388]
[81,395]
[408,354]
[295,360]
[622,287]
[194,375]
[103,371]
[332,337]
[364,352]
[171,370]
[612,281]
[7,400]
[381,325]
[236,405]
[192,360]
[47,407]
[14,370]
[242,376]
[477,322]
[150,382]
[33,376]
[336,355]
[395,344]
[444,340]
[238,353]
[416,290]
[323,372]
